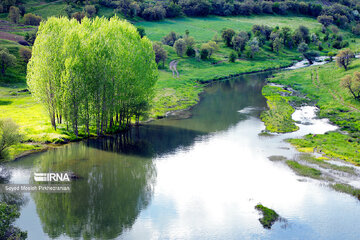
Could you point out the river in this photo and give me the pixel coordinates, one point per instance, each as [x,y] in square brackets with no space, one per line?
[194,178]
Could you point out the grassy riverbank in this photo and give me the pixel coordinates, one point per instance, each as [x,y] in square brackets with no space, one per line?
[278,117]
[171,93]
[322,85]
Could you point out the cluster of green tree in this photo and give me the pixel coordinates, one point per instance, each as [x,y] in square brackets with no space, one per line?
[342,12]
[186,45]
[249,43]
[18,15]
[8,215]
[95,73]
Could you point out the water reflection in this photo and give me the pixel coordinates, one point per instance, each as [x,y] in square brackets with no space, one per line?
[107,199]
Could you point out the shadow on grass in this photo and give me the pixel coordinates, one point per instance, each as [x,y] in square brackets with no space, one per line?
[5,102]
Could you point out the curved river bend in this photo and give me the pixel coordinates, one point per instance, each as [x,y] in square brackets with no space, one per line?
[195,178]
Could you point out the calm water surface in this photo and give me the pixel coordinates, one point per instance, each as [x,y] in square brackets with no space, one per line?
[196,178]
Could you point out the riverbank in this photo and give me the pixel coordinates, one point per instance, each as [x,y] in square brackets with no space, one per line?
[321,84]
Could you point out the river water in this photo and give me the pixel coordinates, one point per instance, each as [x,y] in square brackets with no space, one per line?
[195,178]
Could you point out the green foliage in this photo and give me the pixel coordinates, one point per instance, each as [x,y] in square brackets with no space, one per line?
[204,53]
[32,19]
[278,117]
[141,31]
[321,85]
[180,47]
[227,36]
[325,20]
[352,84]
[304,170]
[9,135]
[8,215]
[14,14]
[25,54]
[30,37]
[87,79]
[160,53]
[232,56]
[170,39]
[6,60]
[344,58]
[269,216]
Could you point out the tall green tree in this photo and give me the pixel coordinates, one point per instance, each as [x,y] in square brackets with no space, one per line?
[102,73]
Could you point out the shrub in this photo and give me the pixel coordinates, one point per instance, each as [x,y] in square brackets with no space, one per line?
[180,47]
[204,53]
[173,10]
[141,31]
[325,20]
[78,16]
[170,39]
[25,54]
[160,53]
[232,57]
[14,14]
[227,35]
[190,52]
[30,37]
[356,29]
[9,135]
[154,13]
[90,11]
[32,19]
[195,7]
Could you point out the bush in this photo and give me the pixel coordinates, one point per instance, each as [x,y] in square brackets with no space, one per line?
[14,14]
[190,52]
[195,7]
[227,35]
[78,16]
[173,10]
[25,54]
[30,37]
[160,53]
[154,13]
[204,53]
[232,57]
[337,45]
[90,11]
[180,47]
[356,29]
[141,31]
[8,215]
[32,19]
[170,39]
[9,135]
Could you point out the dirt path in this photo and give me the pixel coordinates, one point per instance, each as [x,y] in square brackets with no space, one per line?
[173,68]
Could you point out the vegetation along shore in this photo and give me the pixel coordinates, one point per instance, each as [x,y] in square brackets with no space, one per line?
[199,41]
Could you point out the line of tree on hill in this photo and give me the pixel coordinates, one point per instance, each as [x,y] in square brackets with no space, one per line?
[343,13]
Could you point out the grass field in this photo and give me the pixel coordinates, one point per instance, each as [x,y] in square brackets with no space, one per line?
[322,84]
[204,29]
